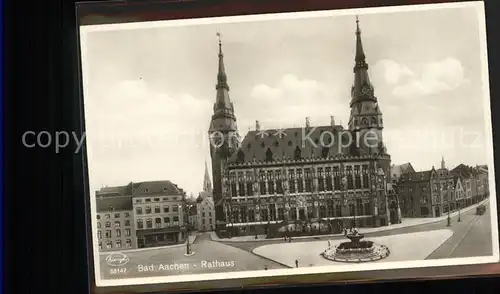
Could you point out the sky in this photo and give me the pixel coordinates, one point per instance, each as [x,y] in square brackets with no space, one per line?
[150,92]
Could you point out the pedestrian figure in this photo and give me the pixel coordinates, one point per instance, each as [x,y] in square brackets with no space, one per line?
[297,263]
[289,239]
[329,244]
[265,267]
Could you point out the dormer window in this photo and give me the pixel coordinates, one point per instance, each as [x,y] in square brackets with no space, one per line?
[374,121]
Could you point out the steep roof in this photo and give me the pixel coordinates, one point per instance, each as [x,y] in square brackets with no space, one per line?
[150,188]
[115,203]
[398,170]
[202,196]
[287,143]
[462,170]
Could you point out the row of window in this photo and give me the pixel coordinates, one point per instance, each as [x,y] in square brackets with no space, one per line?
[271,186]
[203,221]
[156,209]
[118,244]
[242,215]
[156,199]
[115,215]
[159,222]
[321,172]
[117,224]
[118,233]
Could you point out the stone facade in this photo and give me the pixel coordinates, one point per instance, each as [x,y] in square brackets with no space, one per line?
[273,177]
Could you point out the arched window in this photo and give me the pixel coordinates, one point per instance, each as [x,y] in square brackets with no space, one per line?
[240,156]
[364,121]
[298,153]
[374,120]
[149,223]
[158,222]
[269,155]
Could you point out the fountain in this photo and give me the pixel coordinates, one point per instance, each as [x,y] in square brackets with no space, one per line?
[356,250]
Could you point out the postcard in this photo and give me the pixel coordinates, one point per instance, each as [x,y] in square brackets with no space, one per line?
[289,144]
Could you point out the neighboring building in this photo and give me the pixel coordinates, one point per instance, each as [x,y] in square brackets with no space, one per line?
[158,213]
[467,176]
[436,192]
[205,206]
[192,214]
[482,184]
[427,193]
[115,220]
[206,212]
[460,197]
[474,181]
[309,174]
[397,172]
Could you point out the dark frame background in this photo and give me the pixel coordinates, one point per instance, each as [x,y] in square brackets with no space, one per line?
[45,241]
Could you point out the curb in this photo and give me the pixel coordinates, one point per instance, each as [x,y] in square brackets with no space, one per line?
[385,229]
[271,260]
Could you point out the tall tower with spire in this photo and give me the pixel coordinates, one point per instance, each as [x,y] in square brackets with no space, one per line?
[223,133]
[207,184]
[443,164]
[366,117]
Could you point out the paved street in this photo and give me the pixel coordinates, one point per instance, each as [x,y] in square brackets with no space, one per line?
[171,261]
[471,236]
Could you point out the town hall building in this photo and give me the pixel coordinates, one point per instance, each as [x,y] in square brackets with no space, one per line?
[327,174]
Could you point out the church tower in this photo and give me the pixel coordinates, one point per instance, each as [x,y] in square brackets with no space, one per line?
[207,184]
[365,120]
[223,134]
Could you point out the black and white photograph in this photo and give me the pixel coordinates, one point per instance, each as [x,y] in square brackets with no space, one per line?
[287,144]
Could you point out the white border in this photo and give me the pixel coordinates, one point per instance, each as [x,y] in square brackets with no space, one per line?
[479,6]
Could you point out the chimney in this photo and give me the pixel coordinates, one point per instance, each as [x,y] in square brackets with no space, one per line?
[332,121]
[308,122]
[257,125]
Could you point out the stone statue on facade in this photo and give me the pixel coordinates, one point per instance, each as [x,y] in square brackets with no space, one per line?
[315,184]
[284,185]
[256,187]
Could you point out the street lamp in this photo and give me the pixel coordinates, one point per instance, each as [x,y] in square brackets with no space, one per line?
[448,219]
[188,207]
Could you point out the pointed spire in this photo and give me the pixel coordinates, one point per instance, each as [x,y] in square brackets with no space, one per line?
[221,75]
[443,165]
[362,88]
[360,53]
[207,184]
